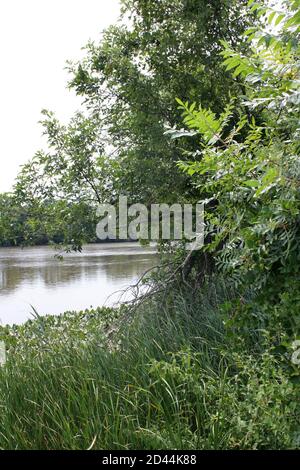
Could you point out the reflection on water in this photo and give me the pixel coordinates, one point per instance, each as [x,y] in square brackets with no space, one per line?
[32,276]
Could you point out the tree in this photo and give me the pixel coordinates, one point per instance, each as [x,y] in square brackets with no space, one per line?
[129,82]
[35,222]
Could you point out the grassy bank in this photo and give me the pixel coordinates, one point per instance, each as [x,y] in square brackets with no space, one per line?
[174,378]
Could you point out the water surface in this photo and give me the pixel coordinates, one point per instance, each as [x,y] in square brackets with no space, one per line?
[33,276]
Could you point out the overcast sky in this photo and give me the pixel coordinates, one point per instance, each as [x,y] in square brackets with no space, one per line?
[37,37]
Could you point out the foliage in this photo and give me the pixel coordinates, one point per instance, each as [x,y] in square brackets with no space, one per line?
[196,368]
[48,333]
[74,168]
[26,221]
[172,380]
[249,172]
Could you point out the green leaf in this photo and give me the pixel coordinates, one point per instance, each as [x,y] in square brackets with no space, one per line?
[250,31]
[271,17]
[279,19]
[252,183]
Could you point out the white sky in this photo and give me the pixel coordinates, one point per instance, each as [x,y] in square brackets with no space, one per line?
[37,37]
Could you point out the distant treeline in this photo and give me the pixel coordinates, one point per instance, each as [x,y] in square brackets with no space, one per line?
[53,222]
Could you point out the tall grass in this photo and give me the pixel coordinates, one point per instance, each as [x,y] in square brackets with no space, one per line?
[172,379]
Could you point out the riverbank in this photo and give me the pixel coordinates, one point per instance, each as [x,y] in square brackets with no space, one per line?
[171,378]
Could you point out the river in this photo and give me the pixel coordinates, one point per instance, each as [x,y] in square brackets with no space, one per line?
[34,277]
